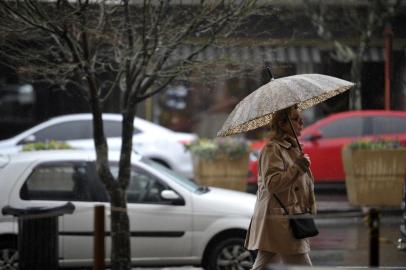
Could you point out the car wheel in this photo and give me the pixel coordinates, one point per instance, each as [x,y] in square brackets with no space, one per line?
[8,255]
[230,254]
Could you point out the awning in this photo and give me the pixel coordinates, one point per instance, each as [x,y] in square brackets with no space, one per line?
[264,54]
[255,54]
[372,54]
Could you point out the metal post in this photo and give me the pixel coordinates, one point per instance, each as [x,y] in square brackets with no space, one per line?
[98,239]
[388,36]
[373,237]
[269,68]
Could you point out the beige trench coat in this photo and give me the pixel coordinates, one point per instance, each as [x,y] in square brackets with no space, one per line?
[278,173]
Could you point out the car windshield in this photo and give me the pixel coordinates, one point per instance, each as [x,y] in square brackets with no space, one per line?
[185,182]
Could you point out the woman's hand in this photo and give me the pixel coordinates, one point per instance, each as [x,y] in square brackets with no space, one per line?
[303,161]
[306,156]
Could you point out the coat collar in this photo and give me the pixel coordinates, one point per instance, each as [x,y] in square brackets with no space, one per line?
[285,141]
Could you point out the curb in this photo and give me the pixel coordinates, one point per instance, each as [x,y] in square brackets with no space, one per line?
[361,211]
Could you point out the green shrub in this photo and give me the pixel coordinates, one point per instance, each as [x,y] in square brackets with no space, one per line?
[378,143]
[48,145]
[210,149]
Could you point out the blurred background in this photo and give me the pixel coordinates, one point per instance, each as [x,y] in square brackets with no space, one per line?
[352,40]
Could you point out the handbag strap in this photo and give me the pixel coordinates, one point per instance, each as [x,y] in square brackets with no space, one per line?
[279,201]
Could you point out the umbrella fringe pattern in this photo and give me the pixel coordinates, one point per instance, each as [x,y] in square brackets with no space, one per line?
[304,90]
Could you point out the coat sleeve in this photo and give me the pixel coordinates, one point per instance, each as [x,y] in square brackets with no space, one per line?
[276,177]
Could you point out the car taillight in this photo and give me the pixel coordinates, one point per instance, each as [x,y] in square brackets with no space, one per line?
[185,142]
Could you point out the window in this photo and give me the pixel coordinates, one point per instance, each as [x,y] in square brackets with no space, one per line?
[136,131]
[79,130]
[59,182]
[182,180]
[112,129]
[143,187]
[348,127]
[388,125]
[72,130]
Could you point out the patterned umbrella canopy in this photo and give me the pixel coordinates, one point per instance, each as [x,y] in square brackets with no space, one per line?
[305,90]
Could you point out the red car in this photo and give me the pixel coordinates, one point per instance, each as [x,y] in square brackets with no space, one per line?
[324,139]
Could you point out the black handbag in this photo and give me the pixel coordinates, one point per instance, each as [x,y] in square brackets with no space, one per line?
[302,225]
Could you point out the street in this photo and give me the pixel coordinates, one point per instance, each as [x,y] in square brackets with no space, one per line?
[344,241]
[344,237]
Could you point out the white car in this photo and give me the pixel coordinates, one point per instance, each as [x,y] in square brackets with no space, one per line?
[173,221]
[150,140]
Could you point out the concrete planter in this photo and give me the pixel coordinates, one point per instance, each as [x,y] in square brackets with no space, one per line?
[222,172]
[374,177]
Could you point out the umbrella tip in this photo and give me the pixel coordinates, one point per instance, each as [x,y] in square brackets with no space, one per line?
[270,73]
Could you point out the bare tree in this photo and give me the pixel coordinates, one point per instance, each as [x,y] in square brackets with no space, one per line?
[101,46]
[361,19]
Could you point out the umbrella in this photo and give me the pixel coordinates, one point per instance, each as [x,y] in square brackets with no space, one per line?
[304,90]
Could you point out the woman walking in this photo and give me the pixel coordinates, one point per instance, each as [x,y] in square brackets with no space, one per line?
[283,171]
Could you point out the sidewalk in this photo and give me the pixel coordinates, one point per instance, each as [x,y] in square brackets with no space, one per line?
[332,203]
[331,206]
[339,204]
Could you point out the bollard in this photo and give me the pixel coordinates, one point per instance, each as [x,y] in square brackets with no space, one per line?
[373,222]
[98,238]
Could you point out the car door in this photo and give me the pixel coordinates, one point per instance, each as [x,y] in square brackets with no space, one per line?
[51,184]
[325,152]
[77,233]
[389,126]
[160,229]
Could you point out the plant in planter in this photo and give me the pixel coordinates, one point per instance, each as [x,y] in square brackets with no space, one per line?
[48,145]
[375,171]
[220,162]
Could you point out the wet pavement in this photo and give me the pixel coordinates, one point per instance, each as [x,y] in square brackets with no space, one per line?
[344,241]
[344,237]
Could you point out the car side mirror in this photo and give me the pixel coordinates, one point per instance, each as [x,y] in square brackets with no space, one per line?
[172,196]
[29,139]
[314,136]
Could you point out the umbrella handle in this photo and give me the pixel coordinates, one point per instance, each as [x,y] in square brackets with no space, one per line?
[270,73]
[294,132]
[297,140]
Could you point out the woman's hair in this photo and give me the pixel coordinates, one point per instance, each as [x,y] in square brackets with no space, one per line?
[279,118]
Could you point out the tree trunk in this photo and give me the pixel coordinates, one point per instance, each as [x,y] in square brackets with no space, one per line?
[120,227]
[120,237]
